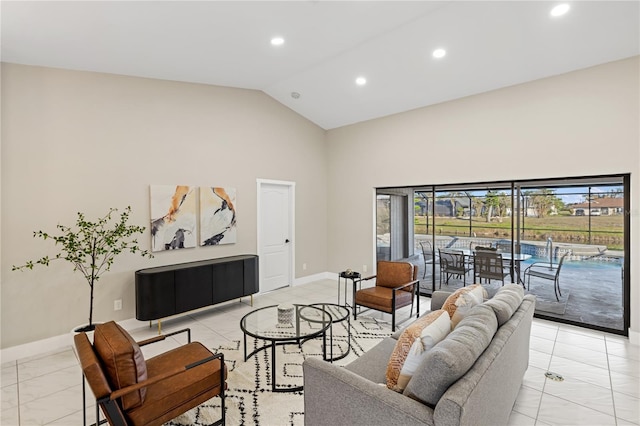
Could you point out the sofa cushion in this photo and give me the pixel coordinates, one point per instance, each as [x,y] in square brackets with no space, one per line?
[412,346]
[372,365]
[506,302]
[123,360]
[450,359]
[460,302]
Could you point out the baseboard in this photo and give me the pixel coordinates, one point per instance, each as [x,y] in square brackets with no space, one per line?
[64,341]
[315,277]
[634,337]
[51,344]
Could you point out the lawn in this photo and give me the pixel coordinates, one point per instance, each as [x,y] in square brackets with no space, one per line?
[605,230]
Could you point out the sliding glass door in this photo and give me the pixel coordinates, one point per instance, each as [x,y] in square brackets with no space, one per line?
[392,233]
[577,227]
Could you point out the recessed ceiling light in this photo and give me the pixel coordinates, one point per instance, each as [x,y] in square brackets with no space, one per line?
[439,53]
[560,9]
[277,41]
[361,81]
[295,95]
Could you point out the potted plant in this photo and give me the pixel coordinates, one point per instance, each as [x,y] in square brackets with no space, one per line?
[91,247]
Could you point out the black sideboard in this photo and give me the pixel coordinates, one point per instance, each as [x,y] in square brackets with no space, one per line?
[169,290]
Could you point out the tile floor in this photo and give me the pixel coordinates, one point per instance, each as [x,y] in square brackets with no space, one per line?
[601,371]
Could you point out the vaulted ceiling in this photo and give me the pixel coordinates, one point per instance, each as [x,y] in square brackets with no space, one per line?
[326,46]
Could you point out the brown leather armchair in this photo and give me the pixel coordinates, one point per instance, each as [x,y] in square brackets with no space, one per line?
[132,391]
[396,285]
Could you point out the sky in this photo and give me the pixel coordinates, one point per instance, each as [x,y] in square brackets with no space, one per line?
[570,195]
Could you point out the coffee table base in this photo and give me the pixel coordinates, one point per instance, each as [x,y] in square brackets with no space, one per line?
[273,345]
[338,314]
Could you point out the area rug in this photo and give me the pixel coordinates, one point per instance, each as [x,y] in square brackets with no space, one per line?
[249,399]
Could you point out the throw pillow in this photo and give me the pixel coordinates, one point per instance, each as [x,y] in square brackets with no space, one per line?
[123,360]
[506,302]
[460,302]
[412,346]
[453,357]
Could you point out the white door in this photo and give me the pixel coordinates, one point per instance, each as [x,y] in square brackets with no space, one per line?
[275,234]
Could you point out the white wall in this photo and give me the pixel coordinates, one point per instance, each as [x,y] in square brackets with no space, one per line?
[78,141]
[577,124]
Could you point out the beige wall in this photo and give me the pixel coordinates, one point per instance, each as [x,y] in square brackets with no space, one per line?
[77,141]
[581,123]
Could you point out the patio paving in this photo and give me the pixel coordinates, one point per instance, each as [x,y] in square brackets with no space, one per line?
[591,292]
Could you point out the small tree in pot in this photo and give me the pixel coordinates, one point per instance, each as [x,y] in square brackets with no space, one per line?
[92,247]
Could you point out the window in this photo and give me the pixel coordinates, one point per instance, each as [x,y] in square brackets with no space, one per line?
[532,222]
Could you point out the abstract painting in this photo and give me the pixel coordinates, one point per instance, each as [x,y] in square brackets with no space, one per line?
[217,216]
[173,217]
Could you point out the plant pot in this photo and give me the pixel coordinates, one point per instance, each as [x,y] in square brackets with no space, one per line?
[86,328]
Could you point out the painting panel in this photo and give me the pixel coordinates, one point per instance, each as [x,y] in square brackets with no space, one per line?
[173,217]
[217,216]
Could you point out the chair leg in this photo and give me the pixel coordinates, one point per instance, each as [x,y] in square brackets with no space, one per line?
[393,311]
[222,393]
[222,398]
[411,310]
[558,285]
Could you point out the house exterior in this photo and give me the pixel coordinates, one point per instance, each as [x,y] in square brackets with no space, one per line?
[605,206]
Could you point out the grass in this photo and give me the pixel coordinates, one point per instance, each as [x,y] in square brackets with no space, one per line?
[605,230]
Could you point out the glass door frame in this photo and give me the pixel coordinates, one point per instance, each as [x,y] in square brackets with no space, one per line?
[516,189]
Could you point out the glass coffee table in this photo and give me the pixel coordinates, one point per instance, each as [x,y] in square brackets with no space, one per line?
[338,313]
[302,322]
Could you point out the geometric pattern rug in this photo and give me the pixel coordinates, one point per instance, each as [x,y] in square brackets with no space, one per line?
[249,399]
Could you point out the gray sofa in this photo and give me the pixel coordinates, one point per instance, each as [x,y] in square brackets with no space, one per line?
[483,395]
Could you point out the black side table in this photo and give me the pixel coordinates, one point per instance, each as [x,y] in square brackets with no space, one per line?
[354,277]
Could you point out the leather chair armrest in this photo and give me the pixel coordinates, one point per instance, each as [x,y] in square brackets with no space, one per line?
[169,373]
[367,278]
[164,336]
[406,285]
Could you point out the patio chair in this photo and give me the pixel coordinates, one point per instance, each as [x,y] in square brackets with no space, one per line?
[546,271]
[480,246]
[427,255]
[503,247]
[396,287]
[133,391]
[488,264]
[452,263]
[473,246]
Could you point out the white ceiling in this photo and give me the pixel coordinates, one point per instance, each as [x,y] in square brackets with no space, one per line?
[490,44]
